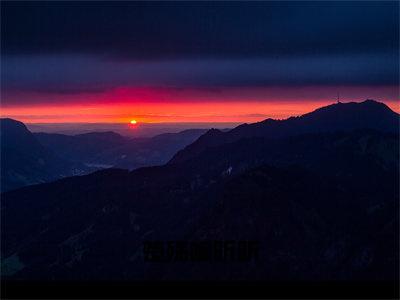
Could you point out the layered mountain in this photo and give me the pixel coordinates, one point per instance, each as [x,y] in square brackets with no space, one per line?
[109,149]
[369,114]
[31,158]
[321,205]
[25,161]
[80,147]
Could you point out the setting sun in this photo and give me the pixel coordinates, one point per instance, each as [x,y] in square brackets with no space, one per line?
[133,122]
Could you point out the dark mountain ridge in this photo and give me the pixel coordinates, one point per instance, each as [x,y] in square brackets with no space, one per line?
[369,114]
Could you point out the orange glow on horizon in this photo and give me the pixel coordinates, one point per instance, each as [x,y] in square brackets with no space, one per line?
[147,105]
[242,112]
[159,112]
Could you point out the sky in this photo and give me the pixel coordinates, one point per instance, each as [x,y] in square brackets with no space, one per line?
[112,62]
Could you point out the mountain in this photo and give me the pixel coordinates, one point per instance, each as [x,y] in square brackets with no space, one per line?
[322,205]
[25,161]
[369,114]
[42,157]
[81,147]
[142,152]
[109,149]
[314,221]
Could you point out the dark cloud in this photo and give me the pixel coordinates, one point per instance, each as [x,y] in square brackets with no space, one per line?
[78,74]
[91,47]
[138,30]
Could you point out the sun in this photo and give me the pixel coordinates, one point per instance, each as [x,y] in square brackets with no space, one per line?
[133,122]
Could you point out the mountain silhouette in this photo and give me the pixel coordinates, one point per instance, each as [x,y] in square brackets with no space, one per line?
[25,161]
[81,147]
[113,150]
[32,158]
[323,205]
[369,114]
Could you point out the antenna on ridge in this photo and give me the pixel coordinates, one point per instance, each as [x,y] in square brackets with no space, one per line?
[338,98]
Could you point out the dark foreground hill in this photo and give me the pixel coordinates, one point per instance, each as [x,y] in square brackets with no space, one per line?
[320,206]
[25,161]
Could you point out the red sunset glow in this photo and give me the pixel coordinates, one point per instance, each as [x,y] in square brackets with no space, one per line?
[146,105]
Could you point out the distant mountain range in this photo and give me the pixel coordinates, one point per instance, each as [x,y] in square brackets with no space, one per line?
[43,157]
[112,150]
[318,192]
[25,161]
